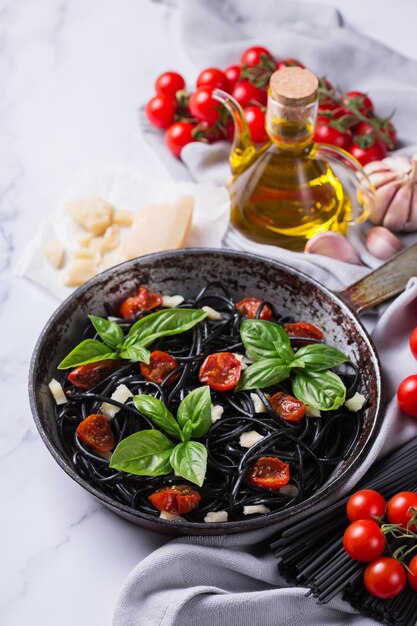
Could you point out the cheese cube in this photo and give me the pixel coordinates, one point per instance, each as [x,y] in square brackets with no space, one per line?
[249,438]
[55,253]
[258,405]
[94,214]
[256,508]
[212,314]
[78,271]
[216,412]
[216,516]
[120,394]
[57,392]
[355,403]
[171,302]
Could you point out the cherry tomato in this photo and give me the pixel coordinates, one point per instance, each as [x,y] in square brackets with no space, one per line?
[289,63]
[207,132]
[203,106]
[413,343]
[169,83]
[176,499]
[365,103]
[288,407]
[221,371]
[143,300]
[95,432]
[232,74]
[160,111]
[178,135]
[374,152]
[256,123]
[269,472]
[213,78]
[386,128]
[246,94]
[363,540]
[400,508]
[385,578]
[88,376]
[407,395]
[328,134]
[253,56]
[249,308]
[412,573]
[365,504]
[304,329]
[160,365]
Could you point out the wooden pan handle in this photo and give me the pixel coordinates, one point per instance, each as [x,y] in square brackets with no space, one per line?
[383,283]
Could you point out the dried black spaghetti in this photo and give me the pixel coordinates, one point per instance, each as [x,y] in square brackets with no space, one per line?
[312,448]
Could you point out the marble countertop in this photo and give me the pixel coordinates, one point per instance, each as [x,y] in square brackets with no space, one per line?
[72,75]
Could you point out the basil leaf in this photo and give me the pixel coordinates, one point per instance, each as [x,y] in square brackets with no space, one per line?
[186,431]
[164,323]
[189,460]
[136,352]
[109,332]
[322,390]
[88,351]
[265,340]
[263,374]
[319,356]
[159,414]
[196,408]
[145,453]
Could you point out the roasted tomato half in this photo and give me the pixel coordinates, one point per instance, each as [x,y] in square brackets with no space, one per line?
[249,308]
[288,407]
[161,364]
[143,300]
[269,472]
[95,432]
[304,329]
[176,499]
[87,376]
[221,371]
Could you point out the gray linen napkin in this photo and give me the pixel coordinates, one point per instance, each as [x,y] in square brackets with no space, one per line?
[230,580]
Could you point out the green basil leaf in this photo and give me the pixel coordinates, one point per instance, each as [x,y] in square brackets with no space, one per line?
[189,460]
[165,323]
[186,431]
[109,332]
[145,453]
[136,352]
[263,374]
[196,408]
[319,356]
[88,351]
[159,414]
[321,390]
[265,340]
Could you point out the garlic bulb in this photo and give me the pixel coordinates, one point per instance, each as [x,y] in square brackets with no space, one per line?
[395,180]
[333,245]
[382,243]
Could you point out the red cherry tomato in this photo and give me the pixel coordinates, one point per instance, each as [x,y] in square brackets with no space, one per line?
[95,432]
[289,63]
[203,106]
[176,499]
[232,74]
[374,152]
[269,472]
[304,329]
[413,343]
[256,123]
[221,371]
[363,540]
[160,111]
[249,308]
[288,407]
[87,376]
[169,83]
[386,128]
[178,135]
[365,504]
[407,395]
[213,78]
[161,364]
[412,573]
[143,300]
[246,94]
[328,134]
[364,102]
[385,578]
[253,56]
[400,508]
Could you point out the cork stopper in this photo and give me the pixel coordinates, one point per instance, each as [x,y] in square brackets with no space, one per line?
[294,86]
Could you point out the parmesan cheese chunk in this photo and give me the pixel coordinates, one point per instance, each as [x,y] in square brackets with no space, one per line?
[355,403]
[94,214]
[57,392]
[258,405]
[85,239]
[241,359]
[216,516]
[170,302]
[120,394]
[86,253]
[212,314]
[312,412]
[249,438]
[78,271]
[123,218]
[256,508]
[216,412]
[55,253]
[289,490]
[170,517]
[109,241]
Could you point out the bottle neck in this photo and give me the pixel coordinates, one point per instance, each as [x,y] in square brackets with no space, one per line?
[291,128]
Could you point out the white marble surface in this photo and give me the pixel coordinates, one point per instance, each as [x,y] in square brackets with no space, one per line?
[72,75]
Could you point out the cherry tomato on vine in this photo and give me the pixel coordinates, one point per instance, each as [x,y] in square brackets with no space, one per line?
[385,128]
[246,94]
[412,573]
[374,152]
[249,308]
[407,395]
[179,135]
[143,300]
[89,375]
[413,343]
[221,371]
[169,83]
[365,504]
[203,106]
[287,407]
[214,78]
[289,63]
[253,56]
[365,103]
[399,509]
[255,118]
[160,365]
[176,499]
[232,74]
[95,432]
[384,578]
[269,472]
[328,134]
[160,110]
[363,540]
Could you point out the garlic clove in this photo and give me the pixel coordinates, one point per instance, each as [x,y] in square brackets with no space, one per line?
[399,163]
[376,166]
[382,243]
[399,208]
[411,223]
[378,179]
[384,197]
[333,245]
